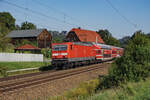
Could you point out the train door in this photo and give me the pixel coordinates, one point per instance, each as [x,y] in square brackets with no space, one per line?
[102,54]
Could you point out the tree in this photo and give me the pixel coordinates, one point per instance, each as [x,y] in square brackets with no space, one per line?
[17,27]
[134,65]
[27,25]
[57,39]
[3,40]
[124,41]
[7,23]
[7,20]
[148,35]
[108,38]
[57,36]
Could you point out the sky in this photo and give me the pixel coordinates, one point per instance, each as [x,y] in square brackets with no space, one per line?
[120,17]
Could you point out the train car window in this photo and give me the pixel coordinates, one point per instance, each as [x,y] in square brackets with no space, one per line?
[107,55]
[114,52]
[99,51]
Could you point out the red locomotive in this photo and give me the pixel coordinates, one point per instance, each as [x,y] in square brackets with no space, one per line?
[71,54]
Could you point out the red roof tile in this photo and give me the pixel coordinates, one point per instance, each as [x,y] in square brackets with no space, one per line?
[87,35]
[28,46]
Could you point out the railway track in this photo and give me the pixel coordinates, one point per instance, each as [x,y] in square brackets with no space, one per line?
[29,80]
[24,76]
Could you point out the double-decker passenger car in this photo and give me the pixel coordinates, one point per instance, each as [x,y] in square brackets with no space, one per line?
[70,54]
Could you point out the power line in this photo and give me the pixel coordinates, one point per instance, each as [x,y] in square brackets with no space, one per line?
[36,12]
[65,15]
[51,8]
[54,9]
[124,17]
[38,20]
[44,15]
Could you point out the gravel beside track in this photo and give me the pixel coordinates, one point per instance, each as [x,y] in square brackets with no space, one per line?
[9,89]
[19,78]
[23,76]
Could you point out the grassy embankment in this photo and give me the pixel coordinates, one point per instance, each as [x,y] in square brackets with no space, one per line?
[21,65]
[7,66]
[130,91]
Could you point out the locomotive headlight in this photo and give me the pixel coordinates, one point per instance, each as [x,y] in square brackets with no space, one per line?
[64,54]
[55,54]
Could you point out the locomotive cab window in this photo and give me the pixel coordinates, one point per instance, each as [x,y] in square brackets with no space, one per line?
[59,47]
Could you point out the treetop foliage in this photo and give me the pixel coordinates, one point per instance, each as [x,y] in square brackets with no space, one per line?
[8,20]
[7,23]
[124,41]
[108,38]
[27,25]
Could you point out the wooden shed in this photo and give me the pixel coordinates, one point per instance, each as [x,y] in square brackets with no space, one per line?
[42,37]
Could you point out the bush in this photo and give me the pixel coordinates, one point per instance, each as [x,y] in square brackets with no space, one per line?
[3,71]
[85,89]
[24,42]
[130,91]
[46,52]
[134,65]
[9,48]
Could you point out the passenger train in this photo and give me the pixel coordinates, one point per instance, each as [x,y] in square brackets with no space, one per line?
[72,54]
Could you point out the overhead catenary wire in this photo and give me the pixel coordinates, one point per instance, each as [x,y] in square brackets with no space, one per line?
[64,21]
[65,15]
[119,13]
[39,20]
[38,13]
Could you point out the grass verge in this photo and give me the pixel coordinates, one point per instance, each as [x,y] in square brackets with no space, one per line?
[21,65]
[84,90]
[7,66]
[129,91]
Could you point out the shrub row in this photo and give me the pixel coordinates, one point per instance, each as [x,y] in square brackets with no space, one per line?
[134,65]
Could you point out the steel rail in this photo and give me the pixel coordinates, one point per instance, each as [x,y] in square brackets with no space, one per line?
[36,81]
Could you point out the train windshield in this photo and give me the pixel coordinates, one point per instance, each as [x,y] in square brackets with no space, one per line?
[59,47]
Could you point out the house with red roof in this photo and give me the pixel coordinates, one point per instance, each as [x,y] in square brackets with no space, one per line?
[28,47]
[81,35]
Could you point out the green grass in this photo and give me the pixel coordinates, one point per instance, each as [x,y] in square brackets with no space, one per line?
[7,66]
[21,72]
[131,91]
[82,91]
[21,65]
